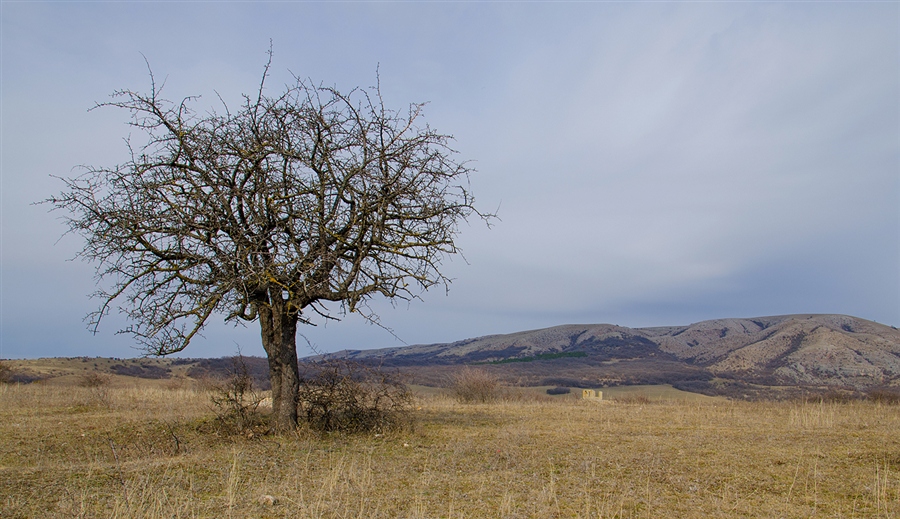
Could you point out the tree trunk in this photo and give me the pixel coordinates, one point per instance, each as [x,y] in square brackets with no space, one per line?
[279,338]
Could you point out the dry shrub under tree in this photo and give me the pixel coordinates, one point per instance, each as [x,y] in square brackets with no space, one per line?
[234,397]
[470,385]
[347,396]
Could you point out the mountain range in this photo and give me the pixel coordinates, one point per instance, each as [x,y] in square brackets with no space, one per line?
[721,356]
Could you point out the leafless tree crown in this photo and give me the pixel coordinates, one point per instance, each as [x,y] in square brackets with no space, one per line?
[295,200]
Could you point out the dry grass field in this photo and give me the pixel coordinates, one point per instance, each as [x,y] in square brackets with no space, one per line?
[159,451]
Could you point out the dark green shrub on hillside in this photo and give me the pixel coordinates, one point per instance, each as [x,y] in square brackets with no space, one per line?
[148,371]
[257,368]
[11,376]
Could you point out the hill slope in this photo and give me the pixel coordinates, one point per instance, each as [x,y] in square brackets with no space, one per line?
[794,350]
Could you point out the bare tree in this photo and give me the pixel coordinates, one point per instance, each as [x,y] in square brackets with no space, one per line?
[267,214]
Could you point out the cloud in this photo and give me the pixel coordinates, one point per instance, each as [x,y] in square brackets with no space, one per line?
[695,147]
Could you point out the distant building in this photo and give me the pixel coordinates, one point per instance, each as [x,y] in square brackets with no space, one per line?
[590,394]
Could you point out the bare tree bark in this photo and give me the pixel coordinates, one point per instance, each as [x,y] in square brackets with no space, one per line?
[279,338]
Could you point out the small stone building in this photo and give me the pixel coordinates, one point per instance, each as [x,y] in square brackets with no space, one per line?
[591,394]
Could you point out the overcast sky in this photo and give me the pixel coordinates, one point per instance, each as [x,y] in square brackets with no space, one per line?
[653,163]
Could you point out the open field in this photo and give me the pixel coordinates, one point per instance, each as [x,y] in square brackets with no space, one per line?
[155,451]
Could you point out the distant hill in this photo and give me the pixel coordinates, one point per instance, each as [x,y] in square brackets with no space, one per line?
[722,356]
[763,357]
[164,372]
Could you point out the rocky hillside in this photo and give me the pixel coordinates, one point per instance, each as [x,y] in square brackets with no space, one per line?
[791,350]
[799,349]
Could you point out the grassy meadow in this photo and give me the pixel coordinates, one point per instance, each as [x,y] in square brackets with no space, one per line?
[158,450]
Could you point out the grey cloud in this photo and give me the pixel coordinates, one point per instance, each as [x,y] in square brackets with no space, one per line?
[653,163]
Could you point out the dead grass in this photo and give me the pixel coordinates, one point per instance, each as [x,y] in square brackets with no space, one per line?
[155,452]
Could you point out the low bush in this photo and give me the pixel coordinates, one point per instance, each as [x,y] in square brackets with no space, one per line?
[559,391]
[703,387]
[148,371]
[93,379]
[884,396]
[98,385]
[24,378]
[234,397]
[470,385]
[256,367]
[565,382]
[633,398]
[345,396]
[832,396]
[8,375]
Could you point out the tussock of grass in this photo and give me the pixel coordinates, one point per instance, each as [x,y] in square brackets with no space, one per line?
[156,453]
